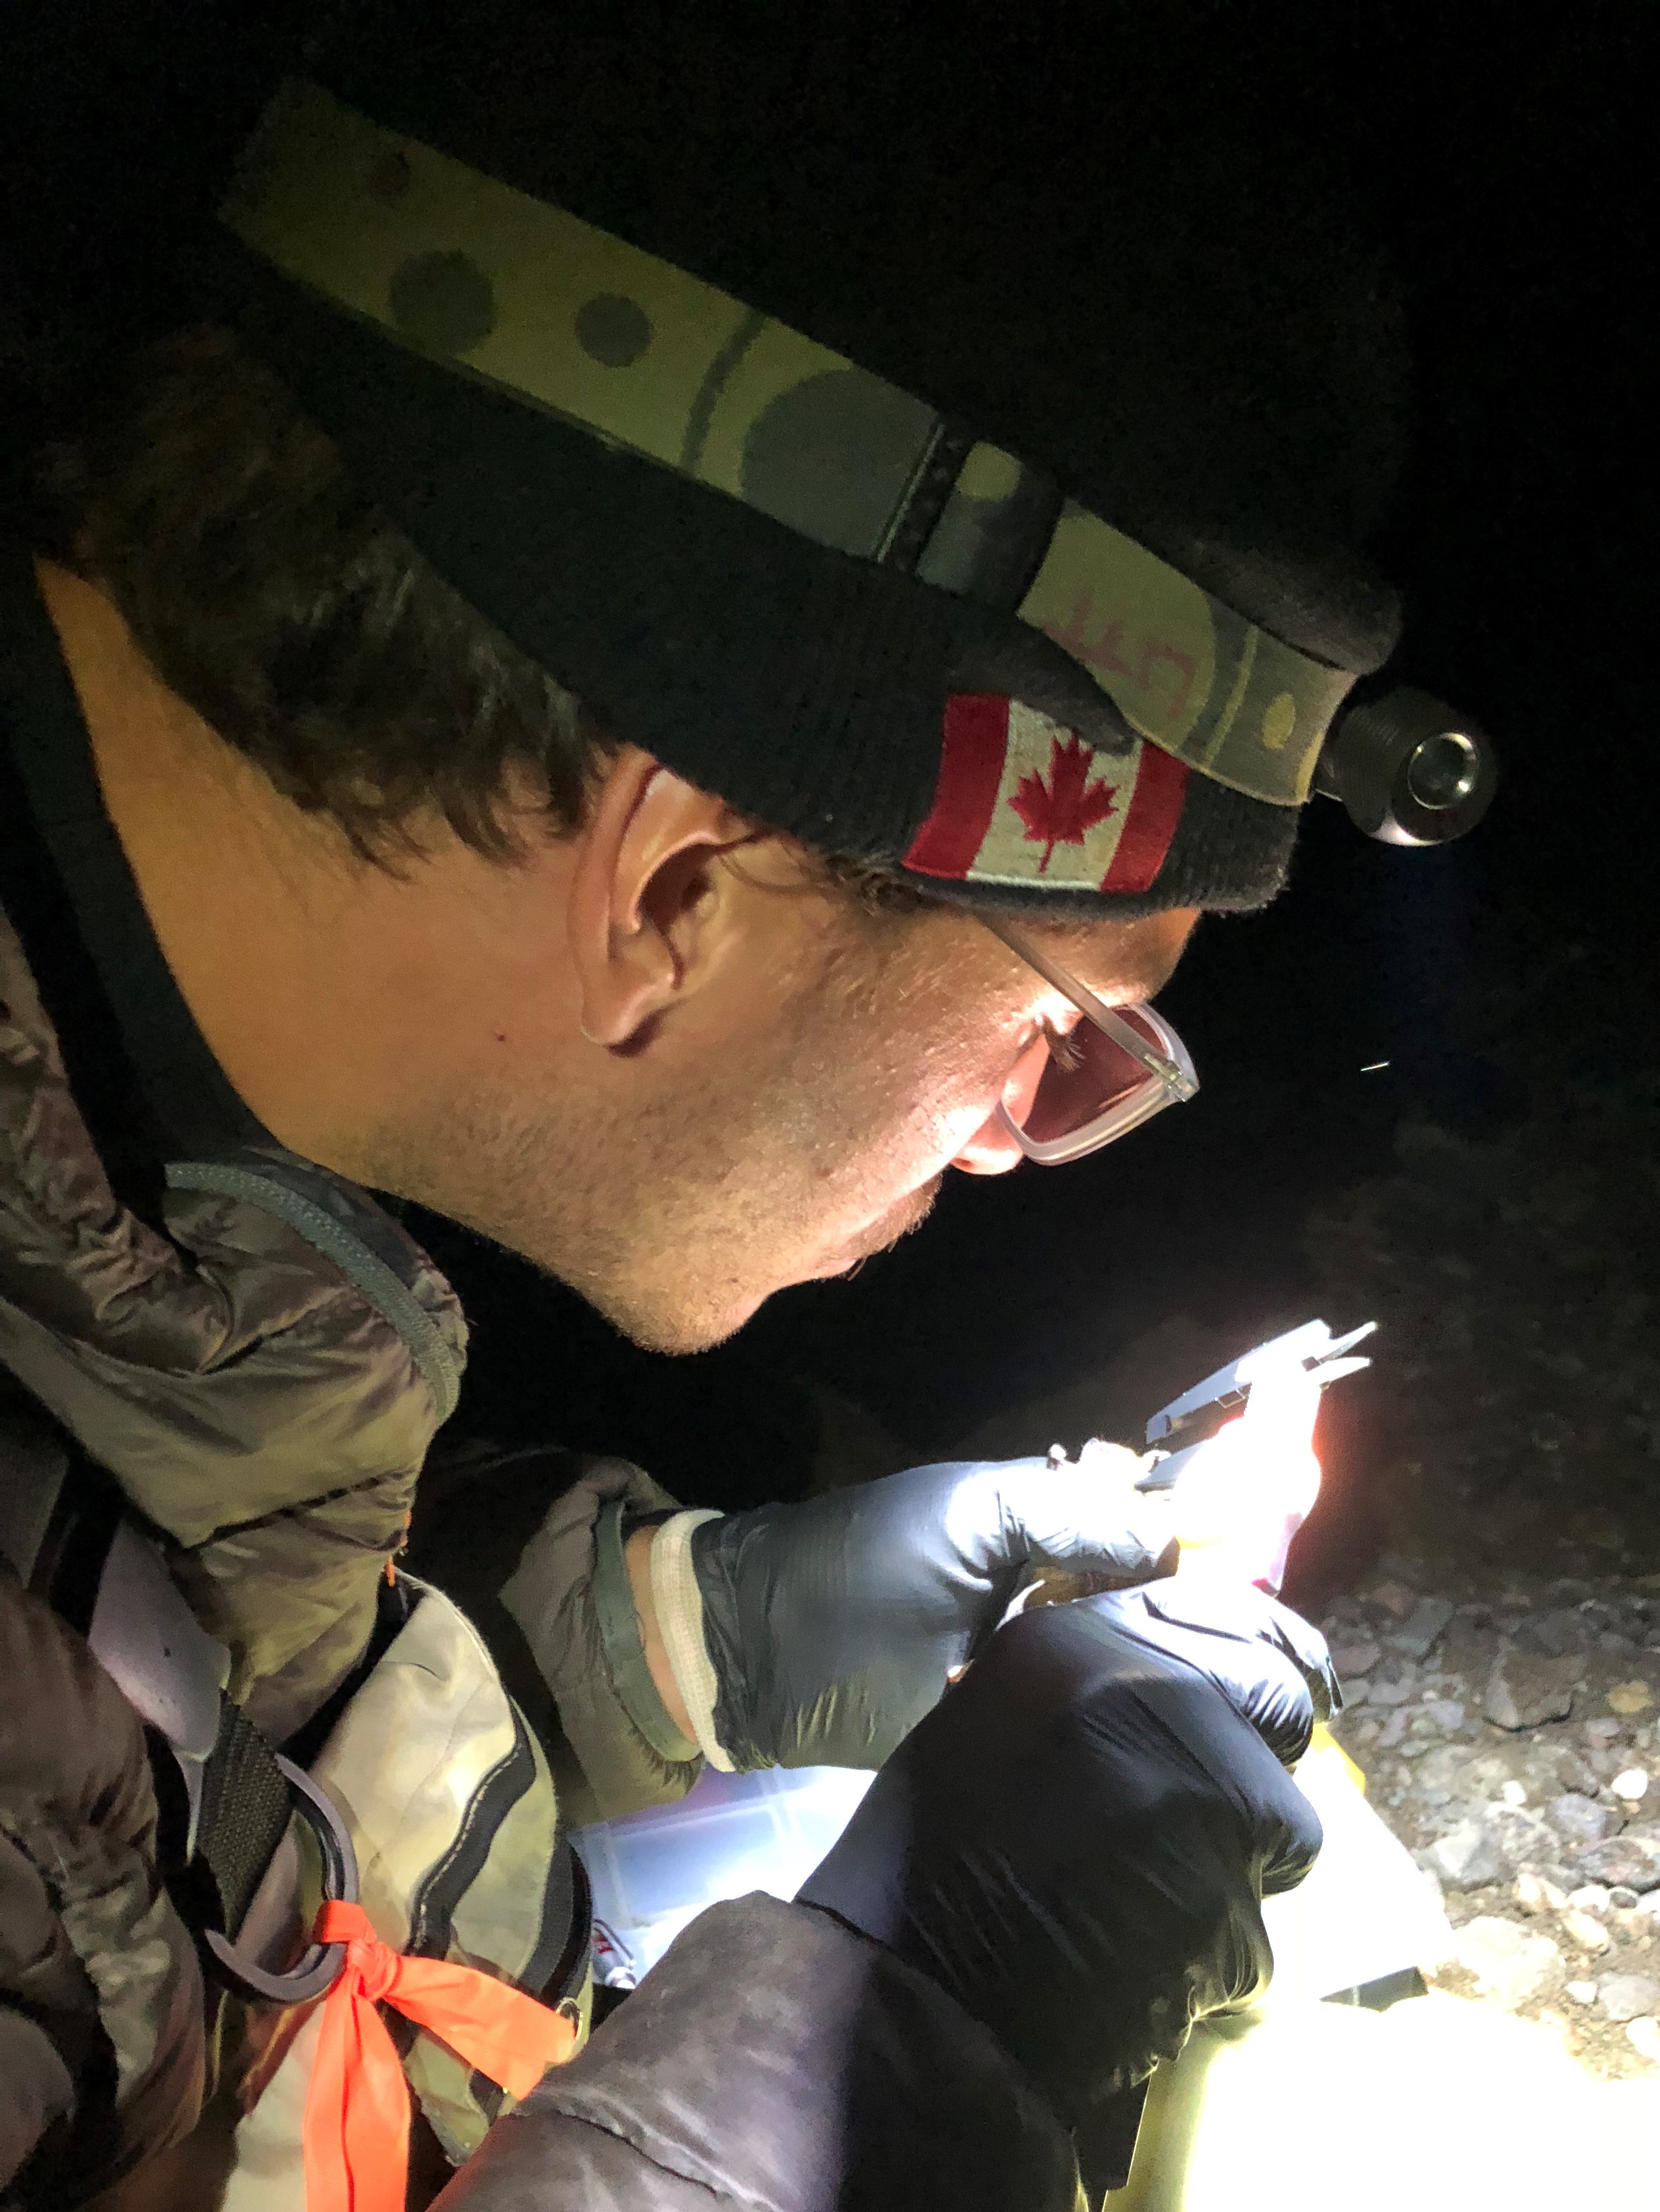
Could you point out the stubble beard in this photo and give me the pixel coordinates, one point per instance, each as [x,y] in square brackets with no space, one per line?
[675,1226]
[677,1222]
[574,1207]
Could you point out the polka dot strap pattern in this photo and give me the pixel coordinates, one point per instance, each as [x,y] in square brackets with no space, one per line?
[651,360]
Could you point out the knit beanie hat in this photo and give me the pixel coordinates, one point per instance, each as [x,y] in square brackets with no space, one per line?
[966,475]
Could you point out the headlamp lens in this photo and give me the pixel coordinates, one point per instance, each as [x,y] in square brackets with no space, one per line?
[1443,770]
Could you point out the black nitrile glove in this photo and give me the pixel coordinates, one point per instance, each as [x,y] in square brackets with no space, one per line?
[1271,1664]
[1075,1842]
[833,1624]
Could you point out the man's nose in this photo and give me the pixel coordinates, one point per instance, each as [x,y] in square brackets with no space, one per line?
[994,1149]
[990,1151]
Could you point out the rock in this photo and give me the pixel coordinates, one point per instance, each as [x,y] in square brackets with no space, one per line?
[1590,1897]
[1392,1730]
[1554,1634]
[1513,1793]
[1625,1997]
[1444,1713]
[1393,1598]
[1488,1771]
[1356,1657]
[1622,1899]
[1536,1893]
[1421,1631]
[1602,1728]
[1467,1856]
[1522,1838]
[1582,1992]
[1644,2036]
[1630,1785]
[1581,1820]
[1627,1860]
[1525,1692]
[1571,1772]
[1589,1933]
[1444,1774]
[1509,1964]
[1633,1697]
[1354,1693]
[1390,1684]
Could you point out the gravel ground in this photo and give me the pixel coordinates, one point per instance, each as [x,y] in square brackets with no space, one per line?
[1508,1734]
[1503,1656]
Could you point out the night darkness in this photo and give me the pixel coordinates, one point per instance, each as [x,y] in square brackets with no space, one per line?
[1492,977]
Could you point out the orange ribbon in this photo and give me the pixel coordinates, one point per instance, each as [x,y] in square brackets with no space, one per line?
[357,2109]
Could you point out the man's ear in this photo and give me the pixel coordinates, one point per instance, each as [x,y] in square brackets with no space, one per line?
[645,894]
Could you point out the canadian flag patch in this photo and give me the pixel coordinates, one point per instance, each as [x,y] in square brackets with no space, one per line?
[1021,799]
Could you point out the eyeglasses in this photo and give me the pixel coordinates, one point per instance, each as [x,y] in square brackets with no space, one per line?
[1117,1069]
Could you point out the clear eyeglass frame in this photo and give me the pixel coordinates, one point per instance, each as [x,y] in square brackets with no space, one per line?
[1167,1078]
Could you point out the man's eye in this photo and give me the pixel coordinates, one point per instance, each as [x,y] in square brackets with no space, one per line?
[1065,1052]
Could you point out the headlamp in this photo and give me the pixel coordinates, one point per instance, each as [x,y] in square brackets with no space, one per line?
[856,617]
[1409,770]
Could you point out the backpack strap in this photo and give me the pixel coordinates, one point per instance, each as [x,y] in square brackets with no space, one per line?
[227,1797]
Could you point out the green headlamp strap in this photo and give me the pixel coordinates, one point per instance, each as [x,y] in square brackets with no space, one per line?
[644,356]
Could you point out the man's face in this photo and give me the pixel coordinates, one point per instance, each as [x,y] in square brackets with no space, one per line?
[658,1056]
[799,1116]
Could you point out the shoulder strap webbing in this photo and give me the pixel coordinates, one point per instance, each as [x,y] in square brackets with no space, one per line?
[230,1805]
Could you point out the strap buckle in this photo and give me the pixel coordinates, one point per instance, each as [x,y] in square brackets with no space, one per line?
[319,1966]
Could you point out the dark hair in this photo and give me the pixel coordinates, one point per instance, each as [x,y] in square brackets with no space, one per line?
[285,607]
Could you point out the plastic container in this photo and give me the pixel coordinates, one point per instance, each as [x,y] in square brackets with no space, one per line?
[732,1833]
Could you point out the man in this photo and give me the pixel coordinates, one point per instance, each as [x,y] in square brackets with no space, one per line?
[639,782]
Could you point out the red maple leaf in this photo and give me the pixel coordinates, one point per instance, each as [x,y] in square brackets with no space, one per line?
[1061,811]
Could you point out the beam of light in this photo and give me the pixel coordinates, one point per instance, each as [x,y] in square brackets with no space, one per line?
[1245,1493]
[1469,2107]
